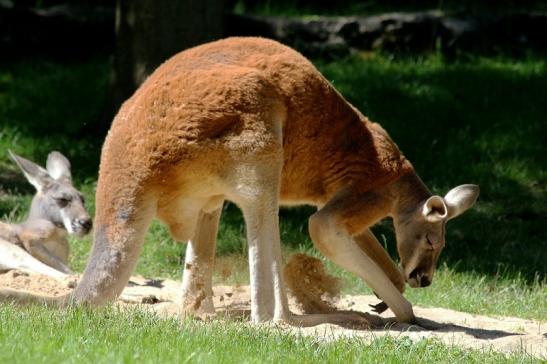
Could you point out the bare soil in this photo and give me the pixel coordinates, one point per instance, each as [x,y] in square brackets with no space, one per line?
[504,334]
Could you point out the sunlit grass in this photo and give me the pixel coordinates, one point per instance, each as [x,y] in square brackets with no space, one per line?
[36,334]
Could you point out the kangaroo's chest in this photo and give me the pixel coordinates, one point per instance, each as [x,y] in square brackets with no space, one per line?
[9,233]
[57,244]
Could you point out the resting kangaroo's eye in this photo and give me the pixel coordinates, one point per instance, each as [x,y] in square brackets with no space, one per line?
[62,202]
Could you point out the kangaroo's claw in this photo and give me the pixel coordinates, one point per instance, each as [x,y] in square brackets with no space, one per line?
[379,307]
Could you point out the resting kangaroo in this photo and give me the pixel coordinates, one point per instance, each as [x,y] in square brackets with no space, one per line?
[252,121]
[39,244]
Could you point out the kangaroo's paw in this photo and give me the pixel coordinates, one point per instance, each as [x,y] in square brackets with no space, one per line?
[379,307]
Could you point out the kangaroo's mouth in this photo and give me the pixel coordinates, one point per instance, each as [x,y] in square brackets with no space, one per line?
[80,227]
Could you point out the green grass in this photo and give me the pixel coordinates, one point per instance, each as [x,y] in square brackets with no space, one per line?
[481,121]
[47,105]
[37,334]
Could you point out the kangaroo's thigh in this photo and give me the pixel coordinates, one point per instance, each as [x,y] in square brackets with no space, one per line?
[254,187]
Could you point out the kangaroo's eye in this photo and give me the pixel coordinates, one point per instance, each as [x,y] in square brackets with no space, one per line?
[62,201]
[429,242]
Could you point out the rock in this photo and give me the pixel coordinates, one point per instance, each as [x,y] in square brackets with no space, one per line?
[78,29]
[400,32]
[317,37]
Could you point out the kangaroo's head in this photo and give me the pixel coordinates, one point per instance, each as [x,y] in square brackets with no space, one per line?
[56,199]
[421,232]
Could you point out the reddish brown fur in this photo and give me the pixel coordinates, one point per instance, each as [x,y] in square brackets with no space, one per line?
[190,104]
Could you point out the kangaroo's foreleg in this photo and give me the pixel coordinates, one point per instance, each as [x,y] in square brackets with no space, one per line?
[372,247]
[330,230]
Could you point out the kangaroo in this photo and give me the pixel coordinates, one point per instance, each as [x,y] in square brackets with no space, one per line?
[39,244]
[252,121]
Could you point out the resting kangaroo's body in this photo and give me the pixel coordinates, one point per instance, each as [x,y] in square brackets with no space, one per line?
[252,121]
[39,244]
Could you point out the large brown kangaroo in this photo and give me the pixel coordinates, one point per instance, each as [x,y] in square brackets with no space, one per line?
[252,121]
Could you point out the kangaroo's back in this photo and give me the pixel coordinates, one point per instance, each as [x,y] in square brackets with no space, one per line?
[196,99]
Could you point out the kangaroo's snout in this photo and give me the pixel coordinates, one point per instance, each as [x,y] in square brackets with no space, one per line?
[82,226]
[425,281]
[417,278]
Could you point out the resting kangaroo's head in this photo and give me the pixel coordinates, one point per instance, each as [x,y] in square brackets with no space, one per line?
[56,199]
[421,232]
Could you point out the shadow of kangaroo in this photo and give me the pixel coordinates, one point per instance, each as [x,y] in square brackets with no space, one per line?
[39,244]
[254,122]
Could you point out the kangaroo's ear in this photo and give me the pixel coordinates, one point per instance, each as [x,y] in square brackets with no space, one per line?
[36,175]
[58,166]
[460,199]
[434,209]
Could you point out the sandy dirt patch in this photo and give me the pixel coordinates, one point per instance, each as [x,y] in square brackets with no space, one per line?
[504,334]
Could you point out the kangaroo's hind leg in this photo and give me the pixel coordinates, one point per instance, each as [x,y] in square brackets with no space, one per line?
[15,257]
[197,289]
[258,198]
[37,249]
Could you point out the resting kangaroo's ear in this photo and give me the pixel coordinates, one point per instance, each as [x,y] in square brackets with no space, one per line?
[460,199]
[36,175]
[58,166]
[434,209]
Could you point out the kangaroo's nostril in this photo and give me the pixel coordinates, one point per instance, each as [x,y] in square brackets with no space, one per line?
[425,281]
[85,223]
[414,274]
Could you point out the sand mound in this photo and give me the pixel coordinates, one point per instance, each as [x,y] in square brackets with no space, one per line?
[314,290]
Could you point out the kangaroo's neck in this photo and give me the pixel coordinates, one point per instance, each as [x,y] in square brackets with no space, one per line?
[381,162]
[406,193]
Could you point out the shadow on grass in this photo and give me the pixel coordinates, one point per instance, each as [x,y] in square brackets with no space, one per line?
[45,105]
[480,121]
